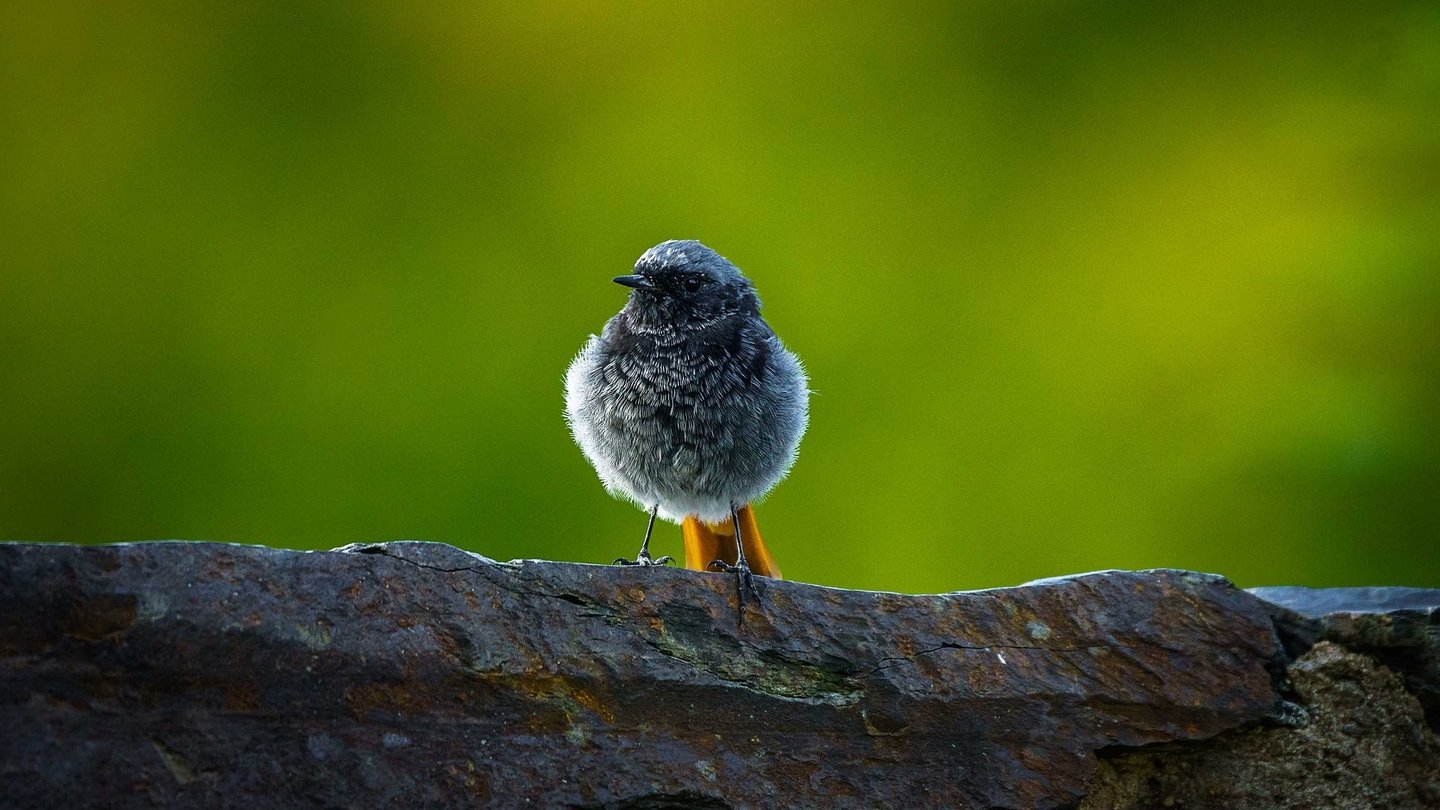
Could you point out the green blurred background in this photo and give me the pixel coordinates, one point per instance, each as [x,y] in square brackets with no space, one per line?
[1079,285]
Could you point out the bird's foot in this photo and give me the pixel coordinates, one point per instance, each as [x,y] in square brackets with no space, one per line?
[643,558]
[744,582]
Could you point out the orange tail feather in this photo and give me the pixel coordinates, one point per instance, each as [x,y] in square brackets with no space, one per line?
[707,542]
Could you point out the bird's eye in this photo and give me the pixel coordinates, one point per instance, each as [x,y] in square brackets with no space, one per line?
[693,283]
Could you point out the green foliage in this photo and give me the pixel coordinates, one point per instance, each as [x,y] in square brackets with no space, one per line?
[1078,285]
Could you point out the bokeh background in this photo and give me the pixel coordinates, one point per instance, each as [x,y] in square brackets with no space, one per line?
[1079,284]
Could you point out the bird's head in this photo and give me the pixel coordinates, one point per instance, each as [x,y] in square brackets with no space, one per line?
[685,284]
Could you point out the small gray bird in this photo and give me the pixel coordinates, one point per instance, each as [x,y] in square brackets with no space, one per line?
[688,405]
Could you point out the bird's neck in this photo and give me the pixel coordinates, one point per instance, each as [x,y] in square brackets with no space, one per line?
[665,317]
[669,316]
[665,330]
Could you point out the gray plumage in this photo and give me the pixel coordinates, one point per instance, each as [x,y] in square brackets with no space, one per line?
[687,400]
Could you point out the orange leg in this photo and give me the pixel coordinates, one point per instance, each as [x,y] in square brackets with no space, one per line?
[706,542]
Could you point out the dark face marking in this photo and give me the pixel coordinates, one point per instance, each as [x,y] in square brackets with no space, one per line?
[689,285]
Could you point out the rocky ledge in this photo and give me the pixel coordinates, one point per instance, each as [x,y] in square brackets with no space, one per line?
[416,674]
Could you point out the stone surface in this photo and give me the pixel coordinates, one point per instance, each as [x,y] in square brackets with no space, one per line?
[1362,743]
[1317,603]
[1400,627]
[179,674]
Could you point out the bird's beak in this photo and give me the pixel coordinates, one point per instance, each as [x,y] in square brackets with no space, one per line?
[635,282]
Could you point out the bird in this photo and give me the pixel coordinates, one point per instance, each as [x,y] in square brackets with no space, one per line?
[688,405]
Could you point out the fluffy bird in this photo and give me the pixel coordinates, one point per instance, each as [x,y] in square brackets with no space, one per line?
[688,405]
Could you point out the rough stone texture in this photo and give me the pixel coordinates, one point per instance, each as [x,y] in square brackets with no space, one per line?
[1399,627]
[203,675]
[1363,743]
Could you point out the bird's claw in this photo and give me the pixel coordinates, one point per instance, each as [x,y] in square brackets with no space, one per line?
[744,581]
[643,558]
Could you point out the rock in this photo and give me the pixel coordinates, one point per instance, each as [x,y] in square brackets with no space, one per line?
[415,674]
[1317,603]
[1364,744]
[1399,627]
